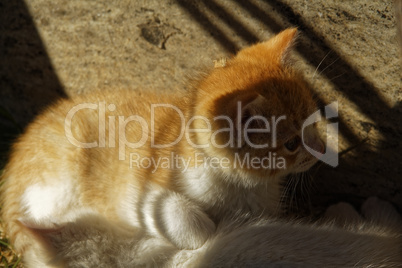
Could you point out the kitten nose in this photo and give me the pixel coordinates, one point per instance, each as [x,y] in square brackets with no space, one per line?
[317,145]
[321,146]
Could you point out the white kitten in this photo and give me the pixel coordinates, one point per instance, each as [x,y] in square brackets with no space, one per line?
[94,242]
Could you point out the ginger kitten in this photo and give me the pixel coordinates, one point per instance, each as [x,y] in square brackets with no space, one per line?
[172,164]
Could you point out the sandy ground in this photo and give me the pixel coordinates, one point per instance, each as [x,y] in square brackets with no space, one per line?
[348,52]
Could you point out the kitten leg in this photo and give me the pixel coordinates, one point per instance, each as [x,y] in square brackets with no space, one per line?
[342,213]
[184,223]
[381,212]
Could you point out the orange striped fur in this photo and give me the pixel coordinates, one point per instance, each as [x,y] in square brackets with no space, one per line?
[50,179]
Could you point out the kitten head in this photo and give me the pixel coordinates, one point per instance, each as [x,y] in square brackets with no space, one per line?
[257,104]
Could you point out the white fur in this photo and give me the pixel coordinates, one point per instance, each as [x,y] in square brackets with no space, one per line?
[223,198]
[186,224]
[166,214]
[48,201]
[128,206]
[148,206]
[268,243]
[138,207]
[199,184]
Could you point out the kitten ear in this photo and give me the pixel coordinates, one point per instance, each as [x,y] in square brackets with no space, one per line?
[282,44]
[276,50]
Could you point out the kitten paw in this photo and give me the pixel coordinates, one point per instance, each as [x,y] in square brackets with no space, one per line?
[381,212]
[342,213]
[184,223]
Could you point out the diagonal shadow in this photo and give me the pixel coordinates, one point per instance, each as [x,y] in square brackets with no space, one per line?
[27,75]
[344,77]
[240,30]
[28,82]
[217,33]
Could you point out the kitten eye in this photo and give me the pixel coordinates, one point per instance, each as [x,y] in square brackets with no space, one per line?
[293,144]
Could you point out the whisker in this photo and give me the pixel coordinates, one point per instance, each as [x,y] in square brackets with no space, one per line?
[293,193]
[285,195]
[285,191]
[305,189]
[316,69]
[339,75]
[289,198]
[329,65]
